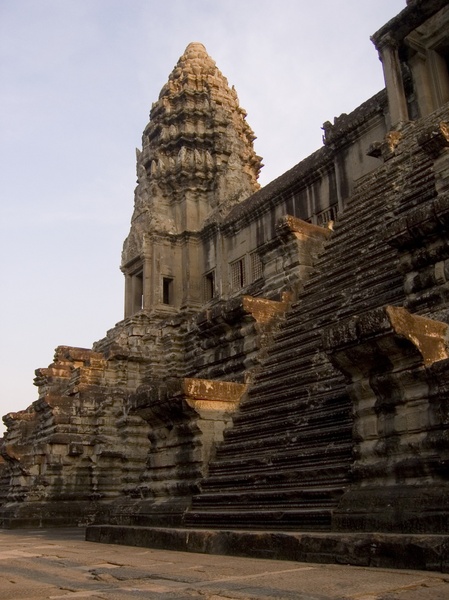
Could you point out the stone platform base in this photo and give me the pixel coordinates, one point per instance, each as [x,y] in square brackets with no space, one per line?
[57,513]
[401,551]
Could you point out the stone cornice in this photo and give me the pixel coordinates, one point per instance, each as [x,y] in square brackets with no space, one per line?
[416,12]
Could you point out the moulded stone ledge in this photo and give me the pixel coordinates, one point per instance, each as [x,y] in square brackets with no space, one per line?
[394,509]
[261,309]
[75,354]
[180,399]
[428,337]
[302,229]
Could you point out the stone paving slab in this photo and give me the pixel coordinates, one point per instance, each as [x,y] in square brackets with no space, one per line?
[58,564]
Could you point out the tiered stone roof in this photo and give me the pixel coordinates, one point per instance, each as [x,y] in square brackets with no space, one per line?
[197,142]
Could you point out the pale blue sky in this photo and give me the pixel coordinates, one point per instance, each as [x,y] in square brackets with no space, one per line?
[77,81]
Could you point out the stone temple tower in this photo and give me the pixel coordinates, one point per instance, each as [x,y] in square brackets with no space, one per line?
[197,161]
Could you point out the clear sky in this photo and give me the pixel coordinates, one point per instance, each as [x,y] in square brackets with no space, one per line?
[77,79]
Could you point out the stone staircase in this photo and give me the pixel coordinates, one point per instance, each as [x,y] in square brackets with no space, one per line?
[287,459]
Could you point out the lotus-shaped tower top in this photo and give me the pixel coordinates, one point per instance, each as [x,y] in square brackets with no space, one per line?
[197,159]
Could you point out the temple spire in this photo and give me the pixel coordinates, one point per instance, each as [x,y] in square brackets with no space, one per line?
[197,162]
[197,142]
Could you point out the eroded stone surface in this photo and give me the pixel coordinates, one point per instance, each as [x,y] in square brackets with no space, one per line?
[326,293]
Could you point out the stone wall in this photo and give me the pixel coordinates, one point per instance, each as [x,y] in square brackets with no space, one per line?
[282,363]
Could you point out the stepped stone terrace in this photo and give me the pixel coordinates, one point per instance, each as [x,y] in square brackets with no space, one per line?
[278,385]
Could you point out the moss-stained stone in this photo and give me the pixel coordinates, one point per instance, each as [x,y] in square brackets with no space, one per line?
[282,364]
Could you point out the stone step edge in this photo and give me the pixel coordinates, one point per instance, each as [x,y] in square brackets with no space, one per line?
[386,550]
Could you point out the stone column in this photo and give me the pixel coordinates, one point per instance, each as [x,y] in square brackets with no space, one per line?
[128,295]
[186,419]
[388,54]
[396,365]
[148,277]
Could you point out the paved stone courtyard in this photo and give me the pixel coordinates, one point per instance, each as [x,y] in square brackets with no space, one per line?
[60,565]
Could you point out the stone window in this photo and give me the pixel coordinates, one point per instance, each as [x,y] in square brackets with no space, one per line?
[238,274]
[209,286]
[256,266]
[327,215]
[167,290]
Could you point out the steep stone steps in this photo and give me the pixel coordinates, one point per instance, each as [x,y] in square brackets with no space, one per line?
[295,489]
[299,439]
[329,476]
[272,416]
[287,458]
[299,445]
[360,215]
[297,457]
[275,498]
[306,367]
[310,497]
[289,413]
[371,284]
[316,501]
[289,398]
[382,287]
[417,184]
[271,483]
[302,519]
[298,462]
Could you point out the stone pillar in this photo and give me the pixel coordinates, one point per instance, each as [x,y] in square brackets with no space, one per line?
[134,290]
[128,295]
[214,402]
[397,102]
[428,64]
[422,82]
[148,273]
[420,236]
[189,273]
[137,291]
[186,419]
[394,363]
